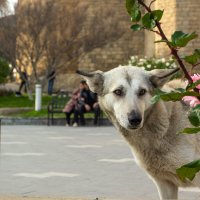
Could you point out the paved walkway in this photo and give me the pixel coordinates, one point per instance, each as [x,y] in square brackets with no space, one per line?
[37,198]
[85,163]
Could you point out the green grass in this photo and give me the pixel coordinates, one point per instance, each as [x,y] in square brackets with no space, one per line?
[12,101]
[37,114]
[32,114]
[43,114]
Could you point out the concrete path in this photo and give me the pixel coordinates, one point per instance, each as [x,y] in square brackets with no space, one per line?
[37,198]
[84,163]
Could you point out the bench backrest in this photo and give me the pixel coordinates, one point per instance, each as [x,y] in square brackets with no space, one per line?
[58,102]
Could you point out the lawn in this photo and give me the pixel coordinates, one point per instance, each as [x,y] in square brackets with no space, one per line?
[11,101]
[43,114]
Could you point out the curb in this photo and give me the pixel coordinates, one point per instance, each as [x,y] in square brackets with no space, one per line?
[43,121]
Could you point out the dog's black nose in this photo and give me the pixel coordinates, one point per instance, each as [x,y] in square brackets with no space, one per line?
[134,118]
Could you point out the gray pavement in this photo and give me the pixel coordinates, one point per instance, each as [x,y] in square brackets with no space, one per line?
[72,162]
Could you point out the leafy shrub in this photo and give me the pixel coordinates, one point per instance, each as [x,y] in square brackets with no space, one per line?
[152,63]
[4,70]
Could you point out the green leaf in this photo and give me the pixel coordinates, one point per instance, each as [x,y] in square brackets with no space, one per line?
[180,39]
[193,85]
[155,99]
[196,108]
[197,52]
[192,59]
[133,9]
[190,130]
[157,14]
[194,116]
[172,96]
[135,14]
[180,90]
[130,5]
[148,22]
[157,96]
[188,171]
[194,119]
[149,19]
[136,27]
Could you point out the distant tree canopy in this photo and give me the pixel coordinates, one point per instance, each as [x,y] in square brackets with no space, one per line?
[4,70]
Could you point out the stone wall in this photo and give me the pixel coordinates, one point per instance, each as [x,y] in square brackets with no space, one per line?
[188,15]
[168,24]
[178,15]
[111,53]
[114,52]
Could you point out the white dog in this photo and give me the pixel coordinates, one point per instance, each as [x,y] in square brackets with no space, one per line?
[150,129]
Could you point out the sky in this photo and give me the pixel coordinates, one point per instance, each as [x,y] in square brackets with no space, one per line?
[12,3]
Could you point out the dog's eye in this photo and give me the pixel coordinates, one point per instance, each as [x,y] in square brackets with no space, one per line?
[142,92]
[118,92]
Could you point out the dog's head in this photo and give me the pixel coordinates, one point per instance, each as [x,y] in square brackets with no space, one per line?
[125,92]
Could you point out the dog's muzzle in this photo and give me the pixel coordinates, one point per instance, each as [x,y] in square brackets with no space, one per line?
[134,119]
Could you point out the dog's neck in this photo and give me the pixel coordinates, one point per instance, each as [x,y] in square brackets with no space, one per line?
[155,131]
[158,121]
[155,135]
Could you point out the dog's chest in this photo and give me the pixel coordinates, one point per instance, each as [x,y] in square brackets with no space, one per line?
[154,158]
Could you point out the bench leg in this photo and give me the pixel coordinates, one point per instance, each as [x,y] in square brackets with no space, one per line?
[99,118]
[48,118]
[52,121]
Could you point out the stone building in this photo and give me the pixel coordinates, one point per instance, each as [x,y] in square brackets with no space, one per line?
[120,41]
[179,15]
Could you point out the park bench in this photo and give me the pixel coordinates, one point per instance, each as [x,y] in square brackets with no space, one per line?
[58,103]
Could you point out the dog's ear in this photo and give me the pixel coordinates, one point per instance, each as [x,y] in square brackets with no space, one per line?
[159,77]
[94,80]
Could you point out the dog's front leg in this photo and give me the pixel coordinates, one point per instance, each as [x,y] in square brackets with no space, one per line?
[167,190]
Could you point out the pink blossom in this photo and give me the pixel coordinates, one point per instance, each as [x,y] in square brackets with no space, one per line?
[195,78]
[190,100]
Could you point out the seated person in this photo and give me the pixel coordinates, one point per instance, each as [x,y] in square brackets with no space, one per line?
[87,101]
[70,106]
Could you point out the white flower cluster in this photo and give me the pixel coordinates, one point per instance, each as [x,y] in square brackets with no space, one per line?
[152,63]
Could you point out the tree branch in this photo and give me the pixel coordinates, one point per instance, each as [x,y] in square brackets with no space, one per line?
[151,3]
[174,51]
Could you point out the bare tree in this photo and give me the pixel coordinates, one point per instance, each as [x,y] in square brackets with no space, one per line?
[31,40]
[77,33]
[3,7]
[54,36]
[104,27]
[63,34]
[8,38]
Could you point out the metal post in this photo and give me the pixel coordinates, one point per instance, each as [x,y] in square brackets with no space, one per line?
[38,97]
